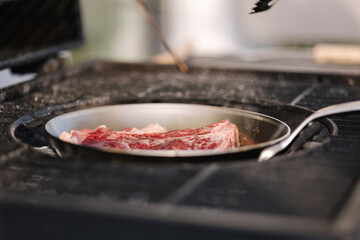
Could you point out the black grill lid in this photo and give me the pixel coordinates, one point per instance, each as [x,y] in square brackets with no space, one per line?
[33,30]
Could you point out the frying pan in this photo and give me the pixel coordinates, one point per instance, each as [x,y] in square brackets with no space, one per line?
[262,130]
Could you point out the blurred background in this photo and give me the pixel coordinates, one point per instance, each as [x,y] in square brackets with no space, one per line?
[221,33]
[117,29]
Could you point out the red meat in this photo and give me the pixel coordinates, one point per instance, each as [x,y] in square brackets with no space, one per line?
[222,135]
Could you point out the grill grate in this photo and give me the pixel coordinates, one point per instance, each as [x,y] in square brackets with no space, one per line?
[312,184]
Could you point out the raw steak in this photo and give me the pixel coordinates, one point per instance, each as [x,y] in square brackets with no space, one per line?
[222,135]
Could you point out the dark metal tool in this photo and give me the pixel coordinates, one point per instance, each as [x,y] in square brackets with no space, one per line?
[263,5]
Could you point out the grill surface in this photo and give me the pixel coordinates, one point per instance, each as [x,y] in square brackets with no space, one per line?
[313,184]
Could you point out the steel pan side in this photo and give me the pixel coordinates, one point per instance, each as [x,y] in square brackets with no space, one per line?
[263,130]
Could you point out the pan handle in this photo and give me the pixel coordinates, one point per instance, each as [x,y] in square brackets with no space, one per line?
[269,152]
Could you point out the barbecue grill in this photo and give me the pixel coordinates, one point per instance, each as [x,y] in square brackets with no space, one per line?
[309,191]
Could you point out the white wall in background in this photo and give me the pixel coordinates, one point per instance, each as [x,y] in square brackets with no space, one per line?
[117,29]
[114,29]
[208,25]
[215,26]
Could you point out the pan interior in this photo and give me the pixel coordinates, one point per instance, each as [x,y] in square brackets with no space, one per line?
[261,129]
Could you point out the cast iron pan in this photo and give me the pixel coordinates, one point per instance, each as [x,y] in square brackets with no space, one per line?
[262,130]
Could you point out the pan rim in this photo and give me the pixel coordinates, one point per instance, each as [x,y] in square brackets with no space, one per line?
[176,153]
